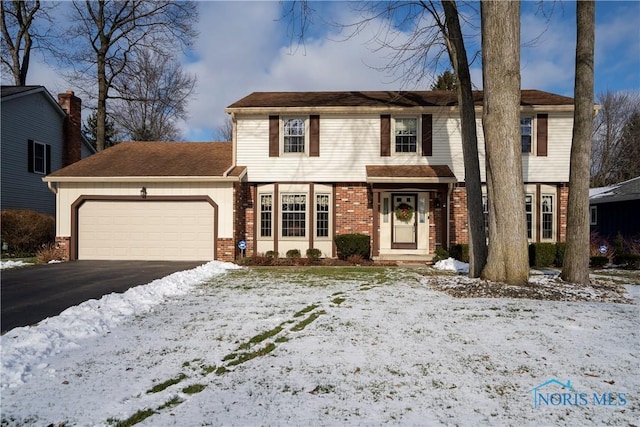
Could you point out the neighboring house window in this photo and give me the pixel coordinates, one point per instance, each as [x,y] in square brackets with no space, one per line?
[294,134]
[406,135]
[594,215]
[294,213]
[528,207]
[322,215]
[547,216]
[39,157]
[526,134]
[485,213]
[266,215]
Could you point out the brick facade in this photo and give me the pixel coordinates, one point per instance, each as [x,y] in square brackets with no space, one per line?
[63,246]
[226,249]
[353,209]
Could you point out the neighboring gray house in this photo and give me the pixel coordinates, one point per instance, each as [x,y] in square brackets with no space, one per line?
[616,209]
[39,135]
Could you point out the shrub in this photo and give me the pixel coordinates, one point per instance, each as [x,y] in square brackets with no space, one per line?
[598,261]
[353,244]
[460,252]
[441,253]
[25,232]
[293,254]
[542,254]
[355,259]
[272,254]
[49,252]
[560,247]
[314,254]
[629,261]
[596,241]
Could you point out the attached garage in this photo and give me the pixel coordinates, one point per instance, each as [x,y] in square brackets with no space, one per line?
[146,230]
[156,201]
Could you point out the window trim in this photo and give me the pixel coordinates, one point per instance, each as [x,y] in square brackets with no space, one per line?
[532,126]
[46,157]
[533,230]
[593,215]
[417,136]
[261,213]
[553,213]
[281,228]
[317,212]
[305,120]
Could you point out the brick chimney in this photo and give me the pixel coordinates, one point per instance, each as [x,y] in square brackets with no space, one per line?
[72,132]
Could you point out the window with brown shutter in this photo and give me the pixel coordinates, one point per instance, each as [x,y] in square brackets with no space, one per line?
[385,135]
[274,136]
[542,134]
[427,135]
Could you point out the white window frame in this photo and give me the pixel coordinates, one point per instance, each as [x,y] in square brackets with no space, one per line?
[283,136]
[328,212]
[593,215]
[554,209]
[531,238]
[260,212]
[43,146]
[305,212]
[532,135]
[417,136]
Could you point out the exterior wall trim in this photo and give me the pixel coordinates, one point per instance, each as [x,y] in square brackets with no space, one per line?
[75,210]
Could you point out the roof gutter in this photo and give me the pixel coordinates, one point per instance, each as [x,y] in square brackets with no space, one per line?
[51,179]
[51,186]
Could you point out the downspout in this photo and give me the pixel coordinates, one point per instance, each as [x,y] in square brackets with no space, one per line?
[234,139]
[52,188]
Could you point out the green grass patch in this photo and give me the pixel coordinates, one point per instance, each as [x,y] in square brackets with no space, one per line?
[305,310]
[300,326]
[194,388]
[221,370]
[207,369]
[175,401]
[338,301]
[136,418]
[245,357]
[164,385]
[230,356]
[261,337]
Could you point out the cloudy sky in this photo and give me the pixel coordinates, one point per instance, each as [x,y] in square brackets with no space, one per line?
[247,46]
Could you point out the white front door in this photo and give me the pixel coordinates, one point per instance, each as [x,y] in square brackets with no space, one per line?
[404,230]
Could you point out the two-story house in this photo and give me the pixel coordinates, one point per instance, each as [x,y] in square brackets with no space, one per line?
[304,167]
[40,134]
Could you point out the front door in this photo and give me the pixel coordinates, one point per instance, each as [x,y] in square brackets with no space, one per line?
[404,222]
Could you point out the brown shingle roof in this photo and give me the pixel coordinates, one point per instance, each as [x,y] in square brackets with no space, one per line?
[436,98]
[154,159]
[410,172]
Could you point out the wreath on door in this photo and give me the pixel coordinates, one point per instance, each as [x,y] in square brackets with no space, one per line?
[404,212]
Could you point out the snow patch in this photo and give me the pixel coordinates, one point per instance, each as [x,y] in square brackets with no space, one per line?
[451,264]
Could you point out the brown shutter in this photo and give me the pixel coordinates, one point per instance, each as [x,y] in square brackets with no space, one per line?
[427,135]
[47,167]
[314,136]
[542,134]
[30,166]
[274,136]
[385,135]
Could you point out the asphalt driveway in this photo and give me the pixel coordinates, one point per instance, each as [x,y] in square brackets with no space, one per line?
[32,294]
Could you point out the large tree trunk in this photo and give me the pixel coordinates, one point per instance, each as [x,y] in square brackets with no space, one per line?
[473,185]
[575,267]
[508,258]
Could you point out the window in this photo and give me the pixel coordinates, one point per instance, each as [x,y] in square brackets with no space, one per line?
[406,132]
[485,213]
[294,135]
[526,134]
[39,157]
[322,215]
[528,207]
[547,216]
[594,215]
[266,215]
[294,212]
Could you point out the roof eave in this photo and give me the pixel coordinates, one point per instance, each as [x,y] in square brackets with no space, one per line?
[410,180]
[142,178]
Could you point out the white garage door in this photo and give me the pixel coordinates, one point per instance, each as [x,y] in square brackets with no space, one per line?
[146,230]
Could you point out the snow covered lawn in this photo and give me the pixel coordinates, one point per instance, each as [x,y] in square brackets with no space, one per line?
[333,346]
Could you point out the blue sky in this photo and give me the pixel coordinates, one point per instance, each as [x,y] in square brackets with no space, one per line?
[245,47]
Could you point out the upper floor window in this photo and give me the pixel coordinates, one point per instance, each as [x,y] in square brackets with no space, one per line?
[526,134]
[294,135]
[406,135]
[39,157]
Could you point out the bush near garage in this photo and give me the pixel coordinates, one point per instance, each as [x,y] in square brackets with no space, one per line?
[26,232]
[353,244]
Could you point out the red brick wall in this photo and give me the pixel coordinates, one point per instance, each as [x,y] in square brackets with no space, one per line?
[63,246]
[226,249]
[458,215]
[353,209]
[72,128]
[563,191]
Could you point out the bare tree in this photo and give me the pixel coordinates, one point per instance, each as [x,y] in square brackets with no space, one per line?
[615,153]
[508,258]
[575,267]
[110,33]
[225,130]
[154,93]
[20,36]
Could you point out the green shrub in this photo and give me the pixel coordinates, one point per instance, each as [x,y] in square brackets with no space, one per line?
[629,261]
[271,254]
[460,252]
[293,254]
[560,247]
[441,253]
[542,254]
[353,244]
[25,232]
[598,261]
[314,254]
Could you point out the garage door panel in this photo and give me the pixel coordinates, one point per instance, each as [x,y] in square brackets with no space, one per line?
[146,230]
